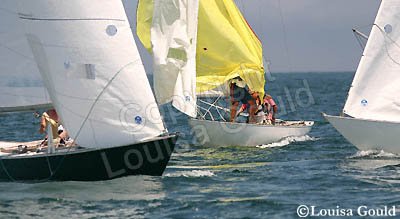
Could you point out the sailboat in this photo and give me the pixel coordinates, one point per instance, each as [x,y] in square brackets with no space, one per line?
[371,115]
[92,73]
[198,47]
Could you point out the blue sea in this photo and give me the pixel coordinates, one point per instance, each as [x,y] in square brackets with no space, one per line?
[321,169]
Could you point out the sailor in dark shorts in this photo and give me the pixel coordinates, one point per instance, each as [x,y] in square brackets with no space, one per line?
[239,92]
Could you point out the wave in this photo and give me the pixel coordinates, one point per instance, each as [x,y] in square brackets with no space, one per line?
[374,154]
[191,174]
[287,141]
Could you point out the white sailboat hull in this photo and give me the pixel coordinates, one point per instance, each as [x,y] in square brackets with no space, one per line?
[368,134]
[215,133]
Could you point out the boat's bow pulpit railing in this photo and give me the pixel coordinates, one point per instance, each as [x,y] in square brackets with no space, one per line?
[209,108]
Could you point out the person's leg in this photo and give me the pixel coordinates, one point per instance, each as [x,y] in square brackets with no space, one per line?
[234,105]
[252,111]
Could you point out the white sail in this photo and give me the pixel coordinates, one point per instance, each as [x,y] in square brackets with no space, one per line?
[21,87]
[90,65]
[173,36]
[375,89]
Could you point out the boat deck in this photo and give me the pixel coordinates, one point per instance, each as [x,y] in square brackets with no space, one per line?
[11,148]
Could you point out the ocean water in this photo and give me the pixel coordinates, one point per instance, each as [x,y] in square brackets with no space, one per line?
[321,169]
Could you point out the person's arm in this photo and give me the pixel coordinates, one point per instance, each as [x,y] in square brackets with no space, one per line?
[274,108]
[42,128]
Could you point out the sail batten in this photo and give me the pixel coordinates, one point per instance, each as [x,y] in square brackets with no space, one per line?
[92,70]
[373,94]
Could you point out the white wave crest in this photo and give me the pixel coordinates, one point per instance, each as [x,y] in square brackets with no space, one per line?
[374,154]
[193,173]
[287,141]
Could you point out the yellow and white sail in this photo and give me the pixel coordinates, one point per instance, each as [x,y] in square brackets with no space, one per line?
[226,46]
[173,36]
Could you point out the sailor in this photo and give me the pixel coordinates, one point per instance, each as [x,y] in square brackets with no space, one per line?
[239,92]
[270,107]
[50,117]
[260,112]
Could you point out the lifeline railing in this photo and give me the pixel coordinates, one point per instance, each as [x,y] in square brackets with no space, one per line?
[204,111]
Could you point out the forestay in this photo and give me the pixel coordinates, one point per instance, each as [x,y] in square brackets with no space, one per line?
[90,65]
[21,87]
[375,88]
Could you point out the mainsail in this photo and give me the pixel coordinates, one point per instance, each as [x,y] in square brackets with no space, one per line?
[21,86]
[90,65]
[226,46]
[375,88]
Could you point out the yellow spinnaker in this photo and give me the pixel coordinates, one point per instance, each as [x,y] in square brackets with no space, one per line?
[226,45]
[144,19]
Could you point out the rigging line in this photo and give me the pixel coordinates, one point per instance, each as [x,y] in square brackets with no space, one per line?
[386,36]
[267,70]
[16,52]
[260,22]
[360,34]
[6,171]
[98,97]
[67,108]
[59,164]
[69,149]
[285,35]
[359,39]
[48,162]
[364,26]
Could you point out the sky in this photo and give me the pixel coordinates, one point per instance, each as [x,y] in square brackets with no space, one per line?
[305,35]
[310,35]
[301,35]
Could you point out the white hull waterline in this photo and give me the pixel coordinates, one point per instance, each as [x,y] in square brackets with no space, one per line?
[215,133]
[368,134]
